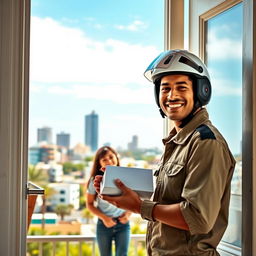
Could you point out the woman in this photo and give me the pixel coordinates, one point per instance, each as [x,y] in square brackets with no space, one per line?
[113,222]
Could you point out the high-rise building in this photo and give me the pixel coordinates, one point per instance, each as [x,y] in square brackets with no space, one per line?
[133,145]
[63,139]
[91,130]
[44,134]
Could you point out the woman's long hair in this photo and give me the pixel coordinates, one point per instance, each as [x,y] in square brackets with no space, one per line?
[101,152]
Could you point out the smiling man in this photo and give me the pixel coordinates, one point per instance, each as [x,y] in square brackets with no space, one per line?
[188,214]
[176,96]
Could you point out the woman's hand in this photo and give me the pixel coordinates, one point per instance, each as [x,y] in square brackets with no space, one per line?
[96,183]
[124,218]
[108,221]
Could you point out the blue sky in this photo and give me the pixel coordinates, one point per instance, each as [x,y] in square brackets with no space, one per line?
[91,55]
[225,65]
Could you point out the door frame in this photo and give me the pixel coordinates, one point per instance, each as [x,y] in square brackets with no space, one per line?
[14,88]
[199,11]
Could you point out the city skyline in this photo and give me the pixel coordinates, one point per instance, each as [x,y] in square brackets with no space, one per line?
[84,57]
[132,142]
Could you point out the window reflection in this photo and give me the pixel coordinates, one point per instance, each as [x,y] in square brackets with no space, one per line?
[224,60]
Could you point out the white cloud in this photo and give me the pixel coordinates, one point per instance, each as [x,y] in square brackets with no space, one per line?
[70,21]
[36,88]
[136,25]
[133,124]
[115,93]
[222,87]
[61,54]
[98,26]
[222,47]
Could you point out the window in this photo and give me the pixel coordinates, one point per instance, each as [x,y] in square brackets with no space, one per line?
[224,60]
[87,60]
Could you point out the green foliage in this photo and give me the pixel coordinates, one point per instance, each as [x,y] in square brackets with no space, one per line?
[140,155]
[33,249]
[136,229]
[87,215]
[69,167]
[82,199]
[37,176]
[36,232]
[88,159]
[139,250]
[63,210]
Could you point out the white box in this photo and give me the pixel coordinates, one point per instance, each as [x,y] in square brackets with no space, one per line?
[138,179]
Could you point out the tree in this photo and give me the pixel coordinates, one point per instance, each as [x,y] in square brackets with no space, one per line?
[48,193]
[37,176]
[63,210]
[87,215]
[87,160]
[69,167]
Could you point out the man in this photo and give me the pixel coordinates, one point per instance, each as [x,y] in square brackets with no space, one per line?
[189,211]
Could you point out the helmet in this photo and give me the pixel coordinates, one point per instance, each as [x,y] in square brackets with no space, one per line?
[181,62]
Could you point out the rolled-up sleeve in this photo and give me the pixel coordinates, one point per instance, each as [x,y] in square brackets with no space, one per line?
[206,179]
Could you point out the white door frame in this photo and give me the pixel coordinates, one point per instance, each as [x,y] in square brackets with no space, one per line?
[196,9]
[14,70]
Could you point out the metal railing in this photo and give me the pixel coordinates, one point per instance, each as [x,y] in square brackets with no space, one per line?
[135,238]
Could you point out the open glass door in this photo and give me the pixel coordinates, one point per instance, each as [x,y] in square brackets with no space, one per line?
[223,56]
[217,39]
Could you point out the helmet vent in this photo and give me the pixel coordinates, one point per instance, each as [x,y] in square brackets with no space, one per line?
[190,63]
[167,61]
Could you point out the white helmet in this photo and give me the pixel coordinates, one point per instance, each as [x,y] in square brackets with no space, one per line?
[181,62]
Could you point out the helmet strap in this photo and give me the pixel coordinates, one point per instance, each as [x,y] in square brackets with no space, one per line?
[190,116]
[162,113]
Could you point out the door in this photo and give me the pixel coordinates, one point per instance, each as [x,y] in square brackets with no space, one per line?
[215,33]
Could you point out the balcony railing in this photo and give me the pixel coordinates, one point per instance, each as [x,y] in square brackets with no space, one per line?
[224,249]
[135,239]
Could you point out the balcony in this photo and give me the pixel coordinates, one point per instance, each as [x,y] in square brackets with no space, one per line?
[79,240]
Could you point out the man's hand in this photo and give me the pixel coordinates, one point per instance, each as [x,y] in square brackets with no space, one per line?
[129,200]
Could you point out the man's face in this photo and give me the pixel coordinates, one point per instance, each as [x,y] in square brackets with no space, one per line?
[176,96]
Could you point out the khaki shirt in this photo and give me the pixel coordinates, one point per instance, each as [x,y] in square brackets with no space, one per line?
[195,171]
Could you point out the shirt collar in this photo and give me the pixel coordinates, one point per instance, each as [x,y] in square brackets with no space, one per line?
[181,137]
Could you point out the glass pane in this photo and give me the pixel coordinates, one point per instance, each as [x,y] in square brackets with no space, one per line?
[224,60]
[88,57]
[87,89]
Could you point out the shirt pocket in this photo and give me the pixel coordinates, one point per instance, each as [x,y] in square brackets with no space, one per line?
[173,182]
[172,169]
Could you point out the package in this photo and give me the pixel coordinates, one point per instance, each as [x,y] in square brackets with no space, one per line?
[138,179]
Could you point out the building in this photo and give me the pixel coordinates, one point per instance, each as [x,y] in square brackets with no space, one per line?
[79,152]
[63,139]
[44,134]
[133,145]
[55,173]
[65,194]
[34,155]
[45,153]
[91,130]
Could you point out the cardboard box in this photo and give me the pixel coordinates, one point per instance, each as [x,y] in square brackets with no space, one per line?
[138,179]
